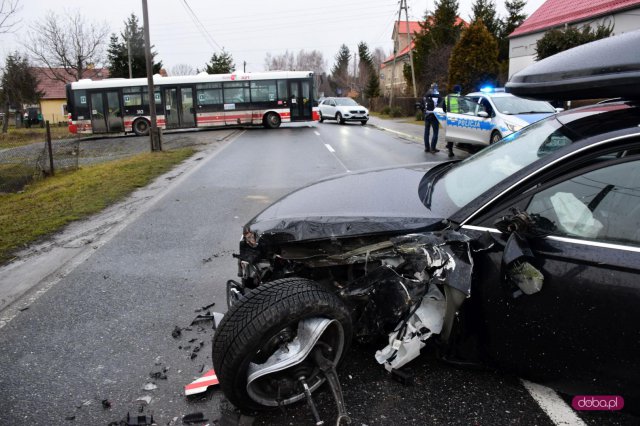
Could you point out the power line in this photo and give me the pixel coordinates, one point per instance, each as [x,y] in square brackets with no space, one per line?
[200,26]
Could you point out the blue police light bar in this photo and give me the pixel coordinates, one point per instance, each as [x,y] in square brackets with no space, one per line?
[487,89]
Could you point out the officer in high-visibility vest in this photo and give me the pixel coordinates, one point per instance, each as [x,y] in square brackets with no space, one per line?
[453,106]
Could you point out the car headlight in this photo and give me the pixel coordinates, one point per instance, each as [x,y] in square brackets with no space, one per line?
[249,237]
[513,127]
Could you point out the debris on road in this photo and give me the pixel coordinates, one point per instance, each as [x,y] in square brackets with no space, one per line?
[201,384]
[106,404]
[197,417]
[177,331]
[139,420]
[150,386]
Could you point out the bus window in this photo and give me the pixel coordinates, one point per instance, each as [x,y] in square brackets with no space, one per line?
[209,94]
[236,92]
[263,91]
[283,94]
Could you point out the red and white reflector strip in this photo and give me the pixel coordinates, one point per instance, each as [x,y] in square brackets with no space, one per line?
[201,384]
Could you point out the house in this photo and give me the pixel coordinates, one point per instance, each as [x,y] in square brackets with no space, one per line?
[53,104]
[553,14]
[393,70]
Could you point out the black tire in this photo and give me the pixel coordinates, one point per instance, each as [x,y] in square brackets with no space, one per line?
[495,137]
[321,118]
[363,122]
[249,332]
[272,120]
[141,127]
[339,118]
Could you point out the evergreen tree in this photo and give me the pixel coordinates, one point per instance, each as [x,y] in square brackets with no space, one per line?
[220,63]
[474,60]
[368,76]
[438,33]
[486,10]
[515,18]
[118,52]
[557,40]
[18,86]
[340,70]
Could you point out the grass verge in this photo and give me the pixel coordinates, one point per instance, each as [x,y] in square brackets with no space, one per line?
[50,204]
[22,136]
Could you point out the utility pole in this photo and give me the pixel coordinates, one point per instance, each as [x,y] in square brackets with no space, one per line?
[244,66]
[403,5]
[154,132]
[413,74]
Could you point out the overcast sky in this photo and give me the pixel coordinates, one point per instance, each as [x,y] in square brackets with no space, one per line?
[248,29]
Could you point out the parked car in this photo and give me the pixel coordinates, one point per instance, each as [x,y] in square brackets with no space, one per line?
[525,256]
[343,110]
[485,117]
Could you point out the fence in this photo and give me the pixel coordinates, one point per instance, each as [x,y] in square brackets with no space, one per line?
[406,106]
[21,165]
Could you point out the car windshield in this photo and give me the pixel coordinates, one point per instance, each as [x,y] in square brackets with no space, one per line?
[512,105]
[453,187]
[346,102]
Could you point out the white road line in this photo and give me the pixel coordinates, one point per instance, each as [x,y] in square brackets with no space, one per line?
[333,151]
[330,148]
[554,406]
[316,132]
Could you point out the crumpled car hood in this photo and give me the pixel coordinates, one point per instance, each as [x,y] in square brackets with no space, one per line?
[370,202]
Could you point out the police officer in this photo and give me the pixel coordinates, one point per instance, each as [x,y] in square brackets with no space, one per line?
[453,107]
[430,101]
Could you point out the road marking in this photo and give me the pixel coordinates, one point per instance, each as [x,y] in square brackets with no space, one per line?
[333,151]
[554,406]
[316,132]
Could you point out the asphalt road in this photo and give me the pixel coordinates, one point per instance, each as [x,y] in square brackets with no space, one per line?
[101,340]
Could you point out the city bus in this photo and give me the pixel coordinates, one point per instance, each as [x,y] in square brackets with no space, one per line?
[120,105]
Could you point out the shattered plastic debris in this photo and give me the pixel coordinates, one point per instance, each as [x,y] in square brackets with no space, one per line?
[177,331]
[150,386]
[106,404]
[146,399]
[159,374]
[197,417]
[201,384]
[139,420]
[526,277]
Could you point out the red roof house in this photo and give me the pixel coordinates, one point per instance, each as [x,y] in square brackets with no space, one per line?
[621,14]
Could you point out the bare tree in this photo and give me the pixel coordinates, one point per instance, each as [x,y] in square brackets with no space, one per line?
[313,61]
[183,69]
[284,62]
[378,57]
[68,45]
[8,9]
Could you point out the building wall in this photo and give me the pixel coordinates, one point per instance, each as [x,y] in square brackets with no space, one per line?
[400,83]
[53,110]
[522,50]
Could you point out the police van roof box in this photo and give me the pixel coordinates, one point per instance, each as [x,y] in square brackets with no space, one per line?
[606,68]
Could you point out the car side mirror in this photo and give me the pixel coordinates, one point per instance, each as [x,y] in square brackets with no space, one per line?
[483,114]
[559,109]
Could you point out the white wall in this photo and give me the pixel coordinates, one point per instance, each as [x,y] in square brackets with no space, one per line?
[522,50]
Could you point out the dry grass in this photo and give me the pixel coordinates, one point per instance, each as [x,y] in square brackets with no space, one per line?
[23,136]
[50,204]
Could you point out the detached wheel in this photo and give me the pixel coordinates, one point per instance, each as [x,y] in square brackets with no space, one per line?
[495,137]
[141,127]
[339,118]
[266,343]
[272,120]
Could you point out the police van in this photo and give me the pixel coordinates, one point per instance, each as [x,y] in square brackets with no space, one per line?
[485,117]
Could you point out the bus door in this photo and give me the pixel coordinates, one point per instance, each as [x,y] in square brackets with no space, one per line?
[179,110]
[106,114]
[300,103]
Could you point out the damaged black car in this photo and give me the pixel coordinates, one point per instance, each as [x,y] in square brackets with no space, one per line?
[524,256]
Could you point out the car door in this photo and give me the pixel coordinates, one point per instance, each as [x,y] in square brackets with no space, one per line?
[583,323]
[463,121]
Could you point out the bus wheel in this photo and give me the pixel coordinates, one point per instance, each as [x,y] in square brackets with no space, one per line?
[272,120]
[141,127]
